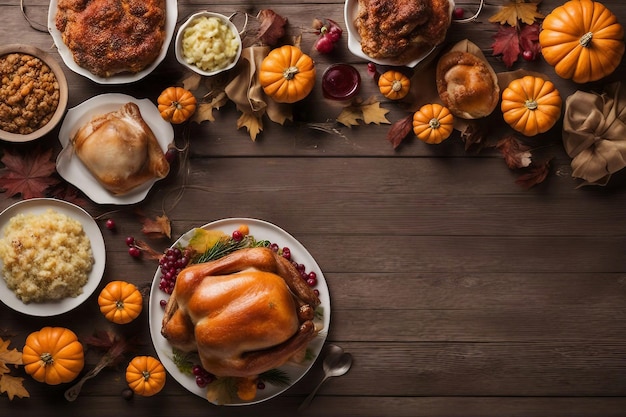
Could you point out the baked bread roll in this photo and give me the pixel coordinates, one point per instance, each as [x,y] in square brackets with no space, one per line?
[244,314]
[467,85]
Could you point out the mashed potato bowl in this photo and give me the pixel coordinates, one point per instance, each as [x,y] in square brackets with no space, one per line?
[208,43]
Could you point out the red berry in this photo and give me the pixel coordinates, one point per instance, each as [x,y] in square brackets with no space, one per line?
[324,44]
[170,155]
[134,251]
[528,55]
[237,236]
[110,224]
[458,13]
[130,241]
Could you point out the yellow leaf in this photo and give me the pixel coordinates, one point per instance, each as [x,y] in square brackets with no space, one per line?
[350,116]
[252,123]
[12,357]
[204,111]
[517,11]
[13,386]
[373,113]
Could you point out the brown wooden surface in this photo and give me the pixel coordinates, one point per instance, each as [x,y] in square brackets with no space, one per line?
[458,292]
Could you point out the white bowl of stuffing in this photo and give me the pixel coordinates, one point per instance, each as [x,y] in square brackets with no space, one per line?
[208,43]
[33,93]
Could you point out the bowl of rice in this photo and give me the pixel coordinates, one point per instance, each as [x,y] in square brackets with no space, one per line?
[208,43]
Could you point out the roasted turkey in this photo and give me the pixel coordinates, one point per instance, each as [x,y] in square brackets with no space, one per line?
[120,150]
[244,314]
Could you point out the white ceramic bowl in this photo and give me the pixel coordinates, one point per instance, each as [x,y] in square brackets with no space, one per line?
[179,43]
[63,92]
[354,40]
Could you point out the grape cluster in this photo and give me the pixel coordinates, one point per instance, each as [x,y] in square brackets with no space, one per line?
[203,377]
[170,265]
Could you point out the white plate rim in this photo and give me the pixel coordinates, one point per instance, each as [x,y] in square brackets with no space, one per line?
[261,230]
[171,17]
[76,173]
[37,206]
[354,40]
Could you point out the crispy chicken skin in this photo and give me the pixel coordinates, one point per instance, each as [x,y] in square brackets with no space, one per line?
[244,314]
[109,37]
[401,30]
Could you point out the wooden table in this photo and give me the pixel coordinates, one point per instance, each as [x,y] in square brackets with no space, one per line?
[458,292]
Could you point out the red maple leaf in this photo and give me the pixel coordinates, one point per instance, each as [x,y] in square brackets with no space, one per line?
[29,174]
[533,175]
[507,44]
[511,41]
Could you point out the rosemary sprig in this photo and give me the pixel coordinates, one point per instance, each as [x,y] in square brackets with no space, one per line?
[228,245]
[275,377]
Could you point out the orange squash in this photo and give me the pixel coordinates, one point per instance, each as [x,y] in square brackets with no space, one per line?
[531,105]
[53,355]
[176,104]
[287,74]
[120,302]
[582,40]
[145,375]
[433,123]
[394,85]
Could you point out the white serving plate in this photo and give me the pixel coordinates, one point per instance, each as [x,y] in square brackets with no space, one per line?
[171,10]
[71,168]
[261,230]
[354,40]
[53,308]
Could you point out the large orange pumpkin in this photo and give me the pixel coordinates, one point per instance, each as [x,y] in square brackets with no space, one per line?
[582,40]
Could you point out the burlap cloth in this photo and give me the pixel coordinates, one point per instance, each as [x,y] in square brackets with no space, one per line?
[594,133]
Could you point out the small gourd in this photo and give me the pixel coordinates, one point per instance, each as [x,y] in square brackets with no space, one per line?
[145,375]
[53,355]
[531,105]
[582,40]
[394,85]
[176,104]
[120,302]
[433,123]
[287,74]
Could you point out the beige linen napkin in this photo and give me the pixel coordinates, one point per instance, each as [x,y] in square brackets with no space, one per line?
[594,133]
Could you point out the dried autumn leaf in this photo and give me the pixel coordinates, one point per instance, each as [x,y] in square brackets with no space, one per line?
[507,44]
[272,27]
[158,227]
[529,38]
[517,11]
[252,123]
[373,113]
[13,386]
[399,130]
[516,154]
[350,116]
[535,174]
[192,82]
[204,111]
[147,250]
[474,135]
[29,174]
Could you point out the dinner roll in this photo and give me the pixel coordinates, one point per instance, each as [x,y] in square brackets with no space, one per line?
[467,85]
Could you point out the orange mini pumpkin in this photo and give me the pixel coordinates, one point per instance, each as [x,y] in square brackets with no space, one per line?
[433,123]
[582,40]
[176,104]
[120,302]
[531,105]
[53,355]
[287,74]
[394,85]
[145,375]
